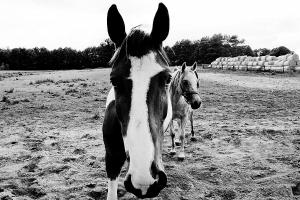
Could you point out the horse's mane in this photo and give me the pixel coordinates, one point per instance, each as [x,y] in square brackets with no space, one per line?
[137,43]
[175,81]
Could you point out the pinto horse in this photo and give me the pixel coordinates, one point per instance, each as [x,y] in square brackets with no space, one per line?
[138,107]
[185,98]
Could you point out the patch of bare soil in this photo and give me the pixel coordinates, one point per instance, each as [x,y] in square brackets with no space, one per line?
[248,138]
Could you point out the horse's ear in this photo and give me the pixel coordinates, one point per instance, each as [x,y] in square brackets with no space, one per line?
[183,66]
[115,25]
[161,24]
[193,68]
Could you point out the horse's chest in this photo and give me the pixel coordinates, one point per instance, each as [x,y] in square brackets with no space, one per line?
[180,108]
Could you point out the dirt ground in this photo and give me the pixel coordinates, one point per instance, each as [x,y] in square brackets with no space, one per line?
[248,133]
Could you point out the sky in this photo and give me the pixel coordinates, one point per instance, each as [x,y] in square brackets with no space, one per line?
[82,23]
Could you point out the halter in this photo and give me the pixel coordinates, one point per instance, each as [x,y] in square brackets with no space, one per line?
[186,94]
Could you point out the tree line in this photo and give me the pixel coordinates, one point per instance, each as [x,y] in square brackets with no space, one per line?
[203,51]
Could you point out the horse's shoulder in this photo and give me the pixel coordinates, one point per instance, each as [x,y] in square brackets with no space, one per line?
[181,108]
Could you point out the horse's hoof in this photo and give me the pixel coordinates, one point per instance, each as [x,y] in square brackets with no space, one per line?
[193,139]
[181,156]
[172,152]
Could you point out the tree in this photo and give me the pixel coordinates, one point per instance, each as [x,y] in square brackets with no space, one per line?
[171,55]
[279,51]
[183,51]
[261,52]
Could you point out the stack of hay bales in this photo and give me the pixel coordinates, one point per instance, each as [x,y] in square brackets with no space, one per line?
[285,63]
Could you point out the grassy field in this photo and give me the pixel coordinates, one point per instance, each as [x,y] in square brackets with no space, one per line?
[248,132]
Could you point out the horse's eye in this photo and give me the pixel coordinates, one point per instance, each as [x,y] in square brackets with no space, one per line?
[115,81]
[185,82]
[169,78]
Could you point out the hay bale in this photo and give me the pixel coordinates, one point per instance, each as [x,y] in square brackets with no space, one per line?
[242,58]
[251,68]
[281,58]
[243,67]
[250,63]
[297,69]
[276,69]
[269,63]
[270,58]
[261,63]
[218,59]
[267,68]
[263,58]
[294,57]
[257,68]
[279,63]
[290,63]
[255,63]
[288,68]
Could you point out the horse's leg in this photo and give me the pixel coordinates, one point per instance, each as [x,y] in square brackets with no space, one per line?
[172,133]
[115,155]
[176,140]
[114,164]
[193,138]
[181,154]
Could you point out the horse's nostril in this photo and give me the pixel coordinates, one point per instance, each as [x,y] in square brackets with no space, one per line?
[153,189]
[162,179]
[196,105]
[157,186]
[129,187]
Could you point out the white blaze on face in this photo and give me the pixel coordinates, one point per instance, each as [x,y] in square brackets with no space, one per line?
[138,139]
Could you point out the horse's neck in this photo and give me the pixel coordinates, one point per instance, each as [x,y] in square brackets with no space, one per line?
[175,90]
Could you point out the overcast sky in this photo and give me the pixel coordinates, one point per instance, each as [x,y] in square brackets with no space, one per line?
[82,23]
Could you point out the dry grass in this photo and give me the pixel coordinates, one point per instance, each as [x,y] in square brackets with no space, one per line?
[43,81]
[248,141]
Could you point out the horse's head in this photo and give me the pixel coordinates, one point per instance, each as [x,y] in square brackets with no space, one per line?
[140,76]
[189,85]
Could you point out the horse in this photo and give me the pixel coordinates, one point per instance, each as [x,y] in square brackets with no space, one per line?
[185,98]
[138,106]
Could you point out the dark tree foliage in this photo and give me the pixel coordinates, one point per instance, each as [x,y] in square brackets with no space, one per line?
[171,55]
[261,52]
[279,51]
[57,59]
[207,49]
[203,51]
[183,51]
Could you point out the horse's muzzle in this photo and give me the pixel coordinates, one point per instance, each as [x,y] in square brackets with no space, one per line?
[195,104]
[194,100]
[153,189]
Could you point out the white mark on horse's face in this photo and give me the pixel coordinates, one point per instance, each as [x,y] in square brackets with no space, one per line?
[189,75]
[138,140]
